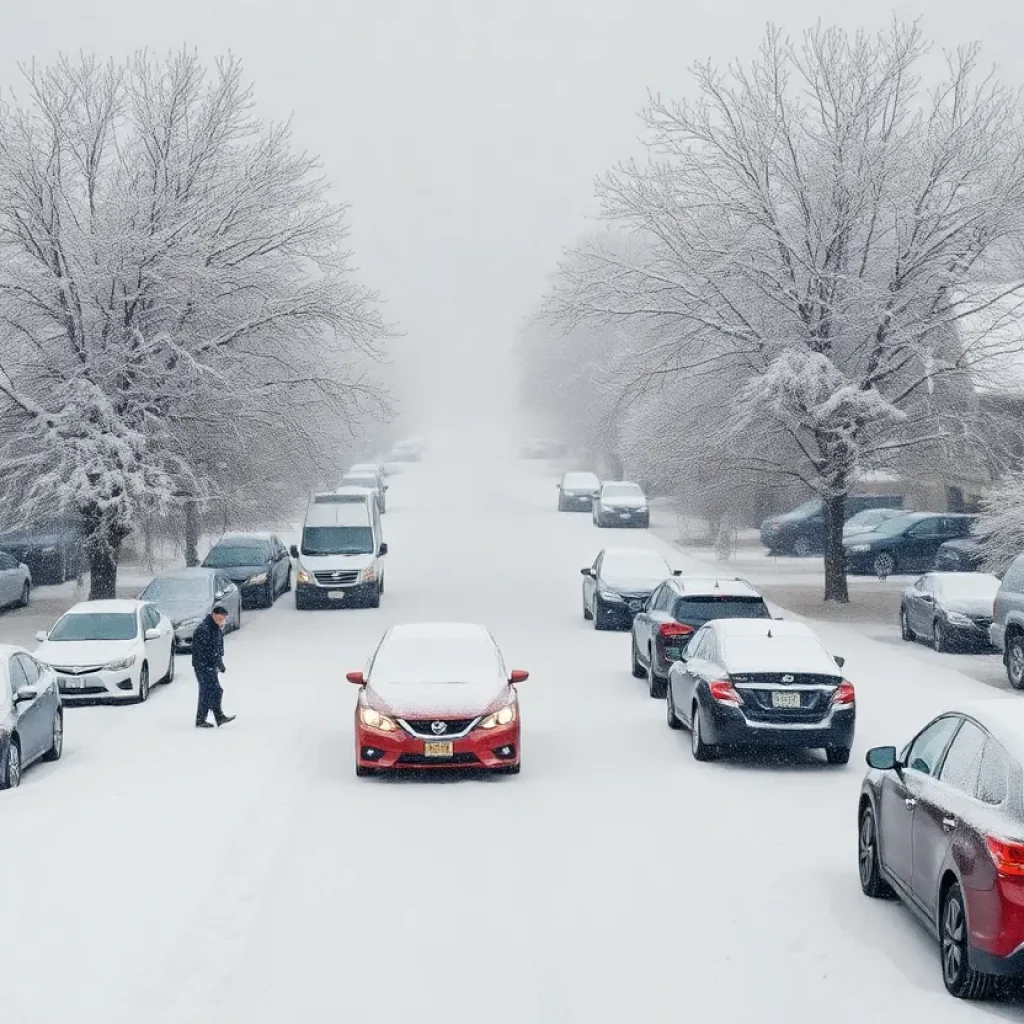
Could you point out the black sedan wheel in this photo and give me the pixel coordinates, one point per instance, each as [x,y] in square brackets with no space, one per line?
[10,776]
[871,880]
[961,980]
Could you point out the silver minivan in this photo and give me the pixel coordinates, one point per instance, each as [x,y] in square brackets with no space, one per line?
[340,557]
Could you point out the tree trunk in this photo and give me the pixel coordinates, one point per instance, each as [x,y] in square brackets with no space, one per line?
[191,534]
[102,571]
[835,559]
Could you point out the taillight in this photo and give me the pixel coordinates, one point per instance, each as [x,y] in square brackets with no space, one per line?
[1007,855]
[725,693]
[667,629]
[844,693]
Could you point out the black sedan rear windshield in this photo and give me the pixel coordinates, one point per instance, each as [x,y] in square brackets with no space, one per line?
[704,608]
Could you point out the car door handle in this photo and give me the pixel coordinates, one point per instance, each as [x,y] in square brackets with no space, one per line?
[949,824]
[910,802]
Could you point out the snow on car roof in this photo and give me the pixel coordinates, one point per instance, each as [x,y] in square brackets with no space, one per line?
[771,645]
[711,585]
[436,652]
[111,605]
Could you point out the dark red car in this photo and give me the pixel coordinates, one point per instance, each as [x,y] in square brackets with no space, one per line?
[941,826]
[437,695]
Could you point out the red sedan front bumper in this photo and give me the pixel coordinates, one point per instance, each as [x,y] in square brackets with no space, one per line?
[481,748]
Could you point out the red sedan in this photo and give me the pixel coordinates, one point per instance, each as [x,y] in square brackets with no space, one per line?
[437,695]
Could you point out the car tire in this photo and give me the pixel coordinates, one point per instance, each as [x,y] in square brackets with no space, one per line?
[961,980]
[1015,661]
[884,564]
[701,751]
[143,684]
[639,672]
[57,744]
[871,881]
[905,631]
[671,718]
[169,676]
[939,641]
[26,595]
[837,755]
[802,547]
[657,686]
[10,771]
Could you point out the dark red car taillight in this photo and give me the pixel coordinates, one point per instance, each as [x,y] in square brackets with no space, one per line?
[725,693]
[1007,854]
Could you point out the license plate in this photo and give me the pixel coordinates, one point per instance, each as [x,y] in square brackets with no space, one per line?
[785,700]
[443,749]
[335,595]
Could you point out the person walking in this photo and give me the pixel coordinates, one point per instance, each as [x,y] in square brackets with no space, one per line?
[207,661]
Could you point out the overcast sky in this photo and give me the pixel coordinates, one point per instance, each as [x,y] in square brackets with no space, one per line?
[466,133]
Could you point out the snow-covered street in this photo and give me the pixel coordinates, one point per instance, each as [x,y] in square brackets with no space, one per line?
[163,874]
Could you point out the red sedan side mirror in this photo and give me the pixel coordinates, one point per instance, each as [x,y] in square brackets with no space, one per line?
[518,676]
[355,677]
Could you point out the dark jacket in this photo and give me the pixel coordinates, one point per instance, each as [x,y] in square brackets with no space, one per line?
[208,646]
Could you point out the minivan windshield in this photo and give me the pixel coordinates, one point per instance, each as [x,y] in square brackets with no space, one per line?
[96,626]
[337,540]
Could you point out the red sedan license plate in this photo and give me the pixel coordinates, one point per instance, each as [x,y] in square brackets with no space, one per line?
[443,749]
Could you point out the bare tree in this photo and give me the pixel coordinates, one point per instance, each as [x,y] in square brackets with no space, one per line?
[811,227]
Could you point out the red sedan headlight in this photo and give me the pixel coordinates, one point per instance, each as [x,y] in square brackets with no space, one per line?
[375,720]
[504,716]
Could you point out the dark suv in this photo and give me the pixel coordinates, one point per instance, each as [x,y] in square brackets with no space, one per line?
[1007,629]
[802,531]
[675,611]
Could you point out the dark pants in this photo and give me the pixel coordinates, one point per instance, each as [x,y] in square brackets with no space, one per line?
[210,694]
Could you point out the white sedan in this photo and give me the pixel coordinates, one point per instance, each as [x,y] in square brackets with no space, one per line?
[109,651]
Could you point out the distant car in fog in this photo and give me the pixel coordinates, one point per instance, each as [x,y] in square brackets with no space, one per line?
[577,491]
[951,610]
[964,555]
[621,503]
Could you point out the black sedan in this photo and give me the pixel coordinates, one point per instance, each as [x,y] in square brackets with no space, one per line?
[756,684]
[619,583]
[257,563]
[951,610]
[904,544]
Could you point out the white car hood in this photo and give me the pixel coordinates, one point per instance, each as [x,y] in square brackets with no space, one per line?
[67,653]
[425,700]
[327,563]
[624,502]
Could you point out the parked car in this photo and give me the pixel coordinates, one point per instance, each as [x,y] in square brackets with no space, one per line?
[619,584]
[109,650]
[15,582]
[868,520]
[54,552]
[620,503]
[257,563]
[940,825]
[907,543]
[577,491]
[370,482]
[951,610]
[437,695]
[964,555]
[801,531]
[31,715]
[1007,629]
[675,611]
[750,683]
[187,596]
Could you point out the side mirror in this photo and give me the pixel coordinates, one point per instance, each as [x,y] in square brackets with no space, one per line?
[517,675]
[382,550]
[882,758]
[42,636]
[152,634]
[24,694]
[840,662]
[293,551]
[356,678]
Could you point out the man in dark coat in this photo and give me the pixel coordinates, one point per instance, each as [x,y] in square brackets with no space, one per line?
[207,661]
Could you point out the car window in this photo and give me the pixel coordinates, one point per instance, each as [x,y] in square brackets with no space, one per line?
[17,671]
[992,779]
[926,751]
[962,764]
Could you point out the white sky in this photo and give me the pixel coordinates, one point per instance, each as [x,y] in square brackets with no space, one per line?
[467,134]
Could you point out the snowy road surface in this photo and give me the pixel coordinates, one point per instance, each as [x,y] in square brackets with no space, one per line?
[166,875]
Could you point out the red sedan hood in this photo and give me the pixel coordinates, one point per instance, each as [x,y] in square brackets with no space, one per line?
[438,700]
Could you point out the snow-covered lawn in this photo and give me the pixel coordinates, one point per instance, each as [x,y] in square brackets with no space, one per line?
[168,875]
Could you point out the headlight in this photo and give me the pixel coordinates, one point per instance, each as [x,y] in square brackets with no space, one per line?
[375,720]
[303,577]
[959,619]
[368,575]
[260,577]
[857,549]
[608,595]
[503,717]
[113,666]
[186,623]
